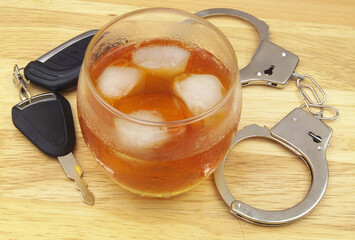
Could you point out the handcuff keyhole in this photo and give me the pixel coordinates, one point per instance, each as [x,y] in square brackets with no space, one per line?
[316,138]
[269,70]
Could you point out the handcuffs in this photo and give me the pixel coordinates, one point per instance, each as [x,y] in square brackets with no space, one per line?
[302,132]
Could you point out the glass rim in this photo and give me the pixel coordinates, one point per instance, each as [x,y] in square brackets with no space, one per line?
[186,121]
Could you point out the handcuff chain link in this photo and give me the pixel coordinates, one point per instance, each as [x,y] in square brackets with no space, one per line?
[309,103]
[21,83]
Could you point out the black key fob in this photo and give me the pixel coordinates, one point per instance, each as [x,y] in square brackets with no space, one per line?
[59,69]
[47,121]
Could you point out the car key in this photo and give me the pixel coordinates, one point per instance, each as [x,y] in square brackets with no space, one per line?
[47,121]
[59,69]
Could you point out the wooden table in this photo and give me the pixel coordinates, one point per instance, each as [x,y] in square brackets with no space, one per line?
[37,201]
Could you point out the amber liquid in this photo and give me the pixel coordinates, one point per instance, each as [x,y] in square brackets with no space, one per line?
[177,165]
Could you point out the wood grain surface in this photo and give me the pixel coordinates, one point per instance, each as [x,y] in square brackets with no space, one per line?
[38,201]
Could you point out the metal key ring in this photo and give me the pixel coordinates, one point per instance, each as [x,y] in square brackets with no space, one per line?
[307,137]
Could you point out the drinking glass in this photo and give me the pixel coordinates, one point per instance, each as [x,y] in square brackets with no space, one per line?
[195,146]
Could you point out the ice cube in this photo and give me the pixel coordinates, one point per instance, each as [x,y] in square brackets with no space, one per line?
[162,61]
[116,82]
[138,136]
[200,92]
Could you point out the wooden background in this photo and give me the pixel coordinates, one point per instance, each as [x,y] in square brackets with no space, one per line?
[37,201]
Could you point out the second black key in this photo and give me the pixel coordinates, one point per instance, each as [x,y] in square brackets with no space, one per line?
[47,121]
[59,69]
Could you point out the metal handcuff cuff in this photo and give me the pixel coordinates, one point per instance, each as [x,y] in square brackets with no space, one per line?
[302,132]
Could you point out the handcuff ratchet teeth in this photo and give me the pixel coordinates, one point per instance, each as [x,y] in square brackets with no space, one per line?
[301,132]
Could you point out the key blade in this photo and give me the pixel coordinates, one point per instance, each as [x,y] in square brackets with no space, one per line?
[74,172]
[69,165]
[86,194]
